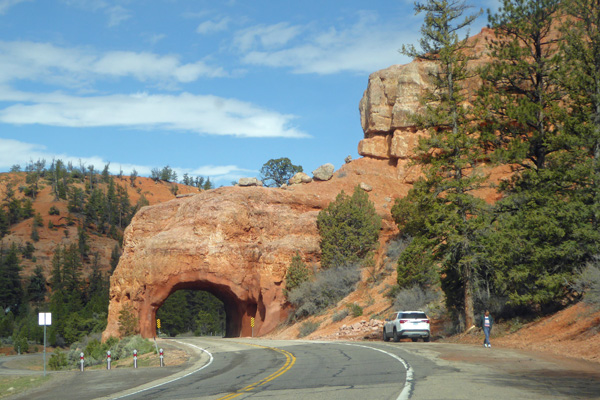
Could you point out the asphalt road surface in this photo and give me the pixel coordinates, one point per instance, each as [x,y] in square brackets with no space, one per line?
[271,369]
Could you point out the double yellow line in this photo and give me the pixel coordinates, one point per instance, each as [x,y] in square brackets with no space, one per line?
[289,362]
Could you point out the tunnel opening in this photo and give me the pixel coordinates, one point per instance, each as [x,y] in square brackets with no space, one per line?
[192,312]
[205,308]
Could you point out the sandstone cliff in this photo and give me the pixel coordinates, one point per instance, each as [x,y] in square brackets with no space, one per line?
[392,96]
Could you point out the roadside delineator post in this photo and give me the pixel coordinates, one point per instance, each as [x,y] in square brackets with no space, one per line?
[108,359]
[134,358]
[162,364]
[81,361]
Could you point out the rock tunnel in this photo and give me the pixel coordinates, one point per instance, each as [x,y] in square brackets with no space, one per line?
[239,308]
[235,243]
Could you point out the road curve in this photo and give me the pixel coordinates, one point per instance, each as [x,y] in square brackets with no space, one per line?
[288,370]
[224,369]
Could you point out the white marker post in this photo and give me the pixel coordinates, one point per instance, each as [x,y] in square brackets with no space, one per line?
[134,358]
[81,361]
[108,359]
[45,319]
[162,364]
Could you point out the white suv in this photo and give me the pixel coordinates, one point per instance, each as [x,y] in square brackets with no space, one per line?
[407,324]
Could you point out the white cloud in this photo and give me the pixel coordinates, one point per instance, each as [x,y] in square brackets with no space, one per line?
[74,66]
[6,4]
[13,152]
[364,47]
[116,15]
[184,112]
[267,36]
[155,38]
[207,27]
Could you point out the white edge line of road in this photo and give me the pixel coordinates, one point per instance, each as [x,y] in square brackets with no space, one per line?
[405,393]
[210,356]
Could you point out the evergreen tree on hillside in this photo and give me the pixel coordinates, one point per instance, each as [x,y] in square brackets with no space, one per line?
[441,213]
[133,177]
[4,223]
[523,101]
[11,292]
[580,77]
[76,199]
[520,93]
[36,290]
[115,255]
[349,229]
[277,172]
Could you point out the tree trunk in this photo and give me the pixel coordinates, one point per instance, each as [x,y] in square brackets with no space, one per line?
[468,287]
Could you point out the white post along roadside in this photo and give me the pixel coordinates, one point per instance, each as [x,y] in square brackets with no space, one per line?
[45,319]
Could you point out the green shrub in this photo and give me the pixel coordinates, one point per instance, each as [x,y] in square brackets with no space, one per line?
[58,360]
[307,328]
[414,298]
[125,347]
[297,273]
[329,287]
[128,321]
[349,229]
[587,283]
[340,315]
[355,309]
[416,265]
[20,343]
[53,211]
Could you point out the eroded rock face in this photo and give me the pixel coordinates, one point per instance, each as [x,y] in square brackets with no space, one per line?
[235,242]
[392,96]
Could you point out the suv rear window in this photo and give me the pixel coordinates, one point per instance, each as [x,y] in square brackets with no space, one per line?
[414,315]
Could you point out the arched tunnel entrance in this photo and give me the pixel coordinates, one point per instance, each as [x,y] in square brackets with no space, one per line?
[234,315]
[195,312]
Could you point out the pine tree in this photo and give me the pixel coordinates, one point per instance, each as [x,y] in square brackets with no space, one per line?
[36,290]
[520,96]
[133,177]
[349,229]
[296,274]
[115,255]
[11,292]
[523,102]
[580,77]
[4,223]
[441,212]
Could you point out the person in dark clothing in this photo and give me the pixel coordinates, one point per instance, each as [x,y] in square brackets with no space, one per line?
[486,323]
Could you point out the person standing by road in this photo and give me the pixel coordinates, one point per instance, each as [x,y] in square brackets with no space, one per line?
[486,323]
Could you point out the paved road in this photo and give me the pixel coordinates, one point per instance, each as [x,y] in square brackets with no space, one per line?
[261,369]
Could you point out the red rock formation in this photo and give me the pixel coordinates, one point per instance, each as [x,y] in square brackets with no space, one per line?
[391,97]
[235,242]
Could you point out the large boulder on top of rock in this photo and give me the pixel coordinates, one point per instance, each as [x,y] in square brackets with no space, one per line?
[249,182]
[324,172]
[299,177]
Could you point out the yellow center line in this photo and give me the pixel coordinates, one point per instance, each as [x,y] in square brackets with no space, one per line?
[290,360]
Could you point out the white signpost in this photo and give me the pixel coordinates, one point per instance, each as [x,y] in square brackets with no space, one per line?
[45,319]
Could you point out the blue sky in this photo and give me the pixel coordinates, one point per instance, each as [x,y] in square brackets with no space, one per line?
[209,88]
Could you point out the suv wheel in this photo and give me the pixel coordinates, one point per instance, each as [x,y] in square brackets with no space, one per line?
[386,338]
[426,339]
[396,337]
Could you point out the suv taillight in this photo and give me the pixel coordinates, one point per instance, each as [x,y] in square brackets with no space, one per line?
[426,321]
[403,321]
